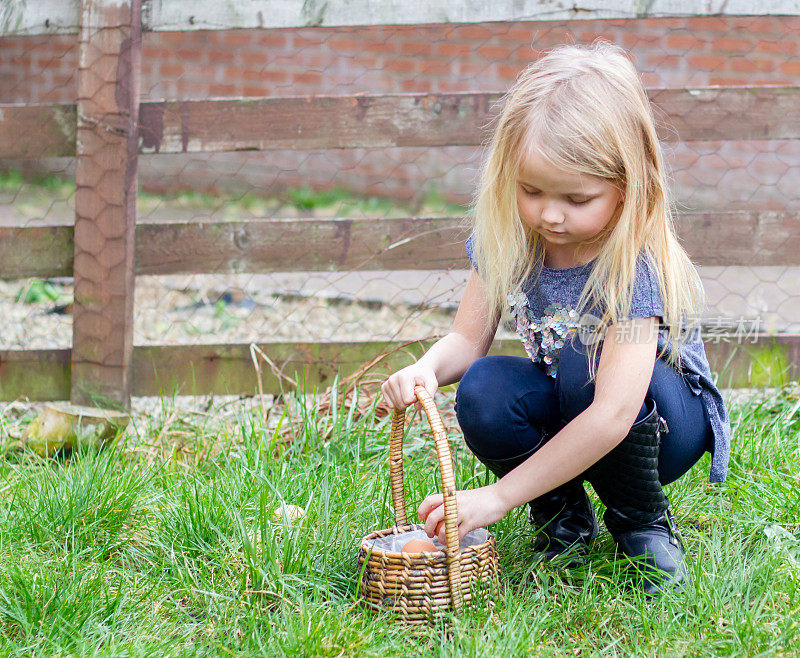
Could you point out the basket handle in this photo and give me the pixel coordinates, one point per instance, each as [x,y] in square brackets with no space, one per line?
[448,485]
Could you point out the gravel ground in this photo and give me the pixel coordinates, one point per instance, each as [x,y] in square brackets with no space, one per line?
[202,310]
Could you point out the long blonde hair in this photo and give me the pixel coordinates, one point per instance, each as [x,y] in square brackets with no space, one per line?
[583,108]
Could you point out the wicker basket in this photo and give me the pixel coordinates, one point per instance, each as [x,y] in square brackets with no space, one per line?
[422,585]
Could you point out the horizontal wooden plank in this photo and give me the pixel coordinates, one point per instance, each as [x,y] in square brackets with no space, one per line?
[61,16]
[727,113]
[43,251]
[35,374]
[256,124]
[308,245]
[741,238]
[38,130]
[228,369]
[315,122]
[405,243]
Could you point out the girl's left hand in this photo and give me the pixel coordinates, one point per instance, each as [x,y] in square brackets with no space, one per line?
[477,508]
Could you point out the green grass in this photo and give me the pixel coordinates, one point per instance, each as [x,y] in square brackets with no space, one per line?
[33,197]
[144,550]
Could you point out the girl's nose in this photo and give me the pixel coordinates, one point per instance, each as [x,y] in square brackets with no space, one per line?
[552,214]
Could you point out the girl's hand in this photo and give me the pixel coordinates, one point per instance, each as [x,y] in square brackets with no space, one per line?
[477,508]
[398,390]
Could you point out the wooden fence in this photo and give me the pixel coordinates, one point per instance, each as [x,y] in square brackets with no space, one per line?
[108,128]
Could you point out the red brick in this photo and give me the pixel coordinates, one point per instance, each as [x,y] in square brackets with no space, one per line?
[650,23]
[171,70]
[319,60]
[774,81]
[742,65]
[307,39]
[23,61]
[671,61]
[709,24]
[255,58]
[189,53]
[172,38]
[386,46]
[433,67]
[366,61]
[252,91]
[451,86]
[272,38]
[219,56]
[283,61]
[401,65]
[417,48]
[682,41]
[347,44]
[468,68]
[707,62]
[521,34]
[273,76]
[526,54]
[790,68]
[730,45]
[495,51]
[763,65]
[220,89]
[650,79]
[453,49]
[634,40]
[205,72]
[160,53]
[769,25]
[506,72]
[244,73]
[783,47]
[474,31]
[236,38]
[307,77]
[726,82]
[413,86]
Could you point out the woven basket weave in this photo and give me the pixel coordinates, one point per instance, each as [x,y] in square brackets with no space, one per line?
[422,585]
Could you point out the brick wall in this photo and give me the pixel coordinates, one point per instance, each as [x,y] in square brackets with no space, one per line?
[439,58]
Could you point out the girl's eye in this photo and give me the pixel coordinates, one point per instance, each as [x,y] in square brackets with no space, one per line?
[579,202]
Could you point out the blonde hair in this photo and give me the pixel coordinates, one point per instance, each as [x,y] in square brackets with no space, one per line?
[585,110]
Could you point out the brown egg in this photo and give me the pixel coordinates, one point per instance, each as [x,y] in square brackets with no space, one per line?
[418,546]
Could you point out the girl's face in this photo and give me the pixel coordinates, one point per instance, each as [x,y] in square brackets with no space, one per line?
[567,210]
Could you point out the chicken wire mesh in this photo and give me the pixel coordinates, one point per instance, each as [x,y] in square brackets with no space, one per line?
[366,303]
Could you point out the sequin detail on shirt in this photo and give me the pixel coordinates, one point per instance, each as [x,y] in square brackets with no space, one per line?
[544,337]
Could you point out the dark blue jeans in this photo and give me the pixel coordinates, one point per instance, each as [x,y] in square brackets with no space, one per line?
[508,406]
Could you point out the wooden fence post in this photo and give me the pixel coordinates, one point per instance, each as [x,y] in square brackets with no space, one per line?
[105,201]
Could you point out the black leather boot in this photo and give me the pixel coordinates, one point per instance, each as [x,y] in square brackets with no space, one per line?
[566,522]
[564,516]
[637,511]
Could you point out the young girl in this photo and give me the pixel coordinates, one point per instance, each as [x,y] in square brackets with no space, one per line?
[573,235]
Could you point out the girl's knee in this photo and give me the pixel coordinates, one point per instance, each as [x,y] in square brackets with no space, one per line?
[501,402]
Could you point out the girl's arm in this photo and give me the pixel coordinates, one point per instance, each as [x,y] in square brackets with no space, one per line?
[623,377]
[448,359]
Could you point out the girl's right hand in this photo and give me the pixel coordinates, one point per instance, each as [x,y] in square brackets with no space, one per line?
[398,390]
